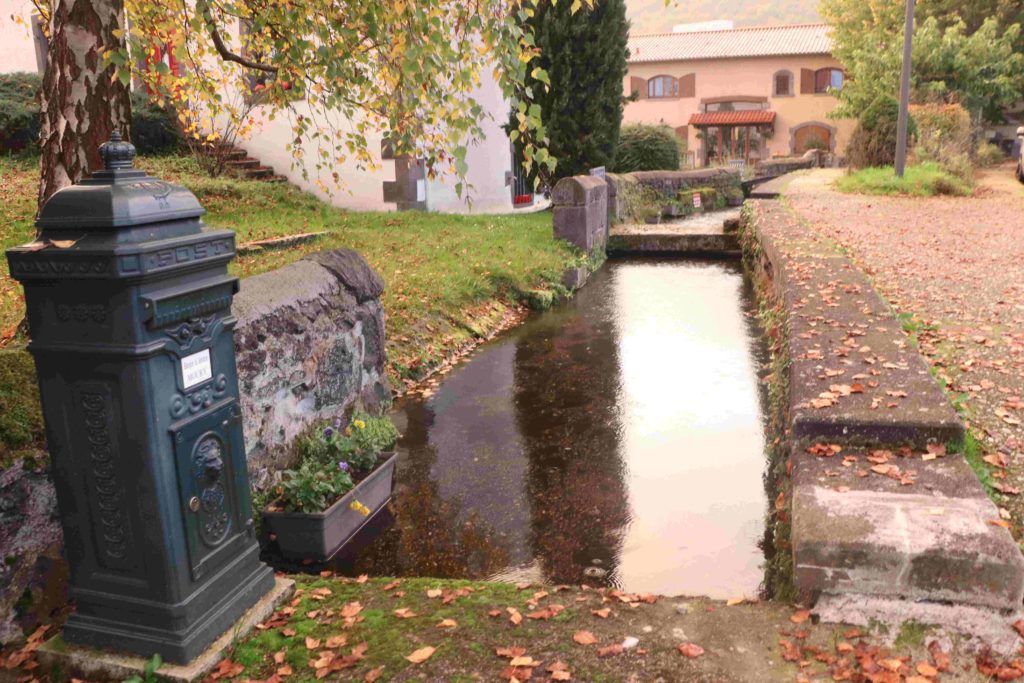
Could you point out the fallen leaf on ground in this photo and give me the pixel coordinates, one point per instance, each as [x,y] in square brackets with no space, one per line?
[510,652]
[584,638]
[690,650]
[524,660]
[610,650]
[514,616]
[434,593]
[996,460]
[373,674]
[603,613]
[801,616]
[404,613]
[312,643]
[447,623]
[351,609]
[421,655]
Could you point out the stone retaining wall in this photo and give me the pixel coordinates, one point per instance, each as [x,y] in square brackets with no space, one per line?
[782,165]
[624,189]
[878,510]
[309,343]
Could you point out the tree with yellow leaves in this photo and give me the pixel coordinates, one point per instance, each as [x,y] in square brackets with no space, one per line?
[406,68]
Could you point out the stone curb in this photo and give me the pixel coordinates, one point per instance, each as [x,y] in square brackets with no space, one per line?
[699,245]
[919,533]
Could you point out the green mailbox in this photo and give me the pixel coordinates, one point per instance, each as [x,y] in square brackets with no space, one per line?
[129,310]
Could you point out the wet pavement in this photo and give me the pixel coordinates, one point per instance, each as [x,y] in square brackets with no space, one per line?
[617,440]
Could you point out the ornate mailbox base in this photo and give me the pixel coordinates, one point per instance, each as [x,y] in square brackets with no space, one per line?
[178,633]
[90,664]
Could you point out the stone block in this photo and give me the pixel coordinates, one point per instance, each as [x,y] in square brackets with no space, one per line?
[579,190]
[917,542]
[580,213]
[571,225]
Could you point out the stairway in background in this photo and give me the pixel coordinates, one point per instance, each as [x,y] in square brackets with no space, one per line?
[241,165]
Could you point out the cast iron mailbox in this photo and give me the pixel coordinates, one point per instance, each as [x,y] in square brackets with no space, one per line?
[129,311]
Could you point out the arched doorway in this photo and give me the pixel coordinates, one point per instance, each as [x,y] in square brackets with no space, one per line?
[812,135]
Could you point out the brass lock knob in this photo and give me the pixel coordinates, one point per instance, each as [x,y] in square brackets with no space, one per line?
[193,504]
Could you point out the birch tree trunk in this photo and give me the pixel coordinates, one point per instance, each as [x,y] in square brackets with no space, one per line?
[81,101]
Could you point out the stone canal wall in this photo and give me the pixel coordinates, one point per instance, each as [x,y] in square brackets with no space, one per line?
[881,511]
[309,344]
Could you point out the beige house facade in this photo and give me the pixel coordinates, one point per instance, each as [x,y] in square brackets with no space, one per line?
[740,95]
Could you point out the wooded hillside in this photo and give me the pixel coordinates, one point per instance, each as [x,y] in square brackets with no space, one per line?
[652,16]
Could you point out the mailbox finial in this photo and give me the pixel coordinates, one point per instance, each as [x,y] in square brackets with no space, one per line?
[117,153]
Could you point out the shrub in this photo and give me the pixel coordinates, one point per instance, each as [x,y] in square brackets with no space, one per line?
[874,140]
[644,147]
[945,137]
[19,111]
[154,128]
[988,154]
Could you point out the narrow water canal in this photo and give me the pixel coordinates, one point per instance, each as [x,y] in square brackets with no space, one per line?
[615,440]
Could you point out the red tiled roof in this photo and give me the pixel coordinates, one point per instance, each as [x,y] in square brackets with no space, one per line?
[733,118]
[757,41]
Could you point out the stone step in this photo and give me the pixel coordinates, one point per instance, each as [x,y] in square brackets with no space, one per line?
[932,540]
[260,172]
[242,164]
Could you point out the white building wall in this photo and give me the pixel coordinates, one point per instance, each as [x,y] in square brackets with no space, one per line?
[489,160]
[18,49]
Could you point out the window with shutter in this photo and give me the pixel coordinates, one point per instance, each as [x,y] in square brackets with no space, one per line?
[662,86]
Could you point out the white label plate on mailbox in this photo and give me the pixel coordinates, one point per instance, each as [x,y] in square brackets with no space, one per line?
[196,368]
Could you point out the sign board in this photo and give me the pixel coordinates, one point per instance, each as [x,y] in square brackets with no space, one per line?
[696,200]
[599,172]
[196,369]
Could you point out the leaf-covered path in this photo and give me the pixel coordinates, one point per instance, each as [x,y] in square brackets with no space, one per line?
[953,268]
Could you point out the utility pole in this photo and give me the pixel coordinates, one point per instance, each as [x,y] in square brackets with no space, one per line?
[902,123]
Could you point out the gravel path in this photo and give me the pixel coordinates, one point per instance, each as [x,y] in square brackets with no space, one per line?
[956,267]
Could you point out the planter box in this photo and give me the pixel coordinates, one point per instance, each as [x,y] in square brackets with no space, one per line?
[320,535]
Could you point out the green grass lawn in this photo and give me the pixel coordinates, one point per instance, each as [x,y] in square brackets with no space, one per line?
[449,278]
[923,180]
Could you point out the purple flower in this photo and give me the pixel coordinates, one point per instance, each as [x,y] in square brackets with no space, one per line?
[344,466]
[328,433]
[337,423]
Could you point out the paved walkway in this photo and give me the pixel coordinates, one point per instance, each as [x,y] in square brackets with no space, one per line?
[956,267]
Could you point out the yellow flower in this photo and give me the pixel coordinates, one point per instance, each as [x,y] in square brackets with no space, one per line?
[360,508]
[359,424]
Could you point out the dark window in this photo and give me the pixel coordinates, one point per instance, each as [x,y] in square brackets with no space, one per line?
[663,86]
[828,79]
[783,84]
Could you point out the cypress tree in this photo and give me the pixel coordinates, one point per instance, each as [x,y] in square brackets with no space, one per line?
[584,55]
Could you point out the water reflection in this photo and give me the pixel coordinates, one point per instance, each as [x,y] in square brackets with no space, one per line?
[618,438]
